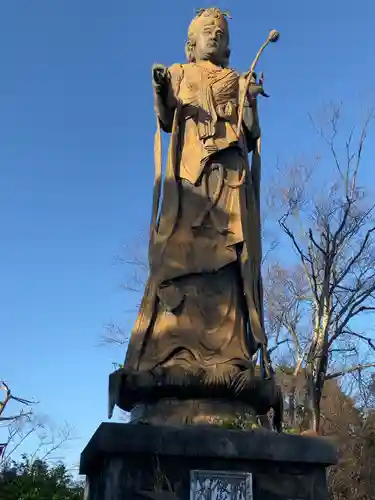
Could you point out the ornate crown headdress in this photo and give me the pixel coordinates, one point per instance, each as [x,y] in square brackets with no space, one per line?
[208,17]
[212,16]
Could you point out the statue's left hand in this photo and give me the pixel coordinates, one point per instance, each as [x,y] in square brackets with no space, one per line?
[256,86]
[256,89]
[160,77]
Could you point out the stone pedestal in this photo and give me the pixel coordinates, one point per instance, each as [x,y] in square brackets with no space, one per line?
[134,461]
[190,411]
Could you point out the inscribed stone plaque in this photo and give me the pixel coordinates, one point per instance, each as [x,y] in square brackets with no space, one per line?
[220,485]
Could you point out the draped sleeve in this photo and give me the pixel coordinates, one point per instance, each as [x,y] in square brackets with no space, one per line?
[175,75]
[251,125]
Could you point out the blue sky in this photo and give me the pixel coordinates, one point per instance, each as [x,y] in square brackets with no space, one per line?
[76,160]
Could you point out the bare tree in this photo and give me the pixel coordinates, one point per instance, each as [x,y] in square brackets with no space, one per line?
[12,423]
[8,397]
[22,424]
[315,304]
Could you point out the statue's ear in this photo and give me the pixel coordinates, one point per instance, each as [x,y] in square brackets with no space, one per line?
[189,51]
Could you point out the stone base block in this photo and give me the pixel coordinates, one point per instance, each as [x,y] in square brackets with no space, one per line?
[134,461]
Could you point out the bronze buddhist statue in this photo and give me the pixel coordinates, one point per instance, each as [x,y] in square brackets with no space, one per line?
[200,325]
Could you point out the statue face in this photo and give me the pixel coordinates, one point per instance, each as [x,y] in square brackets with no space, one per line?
[211,44]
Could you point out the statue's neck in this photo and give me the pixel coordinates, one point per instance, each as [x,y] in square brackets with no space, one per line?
[205,63]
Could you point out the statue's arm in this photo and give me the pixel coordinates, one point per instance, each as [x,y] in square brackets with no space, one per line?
[163,82]
[251,123]
[251,126]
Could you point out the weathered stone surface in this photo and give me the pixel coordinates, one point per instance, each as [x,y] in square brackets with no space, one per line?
[190,411]
[122,460]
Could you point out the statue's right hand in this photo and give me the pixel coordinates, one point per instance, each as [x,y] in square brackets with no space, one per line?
[160,77]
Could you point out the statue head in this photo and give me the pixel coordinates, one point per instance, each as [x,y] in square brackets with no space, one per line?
[208,37]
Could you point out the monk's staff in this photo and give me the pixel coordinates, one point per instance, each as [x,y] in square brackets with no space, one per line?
[273,36]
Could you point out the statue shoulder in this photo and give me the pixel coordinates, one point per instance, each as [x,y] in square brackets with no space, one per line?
[234,72]
[176,70]
[176,73]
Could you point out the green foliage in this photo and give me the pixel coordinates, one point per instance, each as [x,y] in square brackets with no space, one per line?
[291,430]
[243,422]
[248,422]
[37,480]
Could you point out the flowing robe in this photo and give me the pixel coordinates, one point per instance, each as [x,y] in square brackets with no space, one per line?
[202,305]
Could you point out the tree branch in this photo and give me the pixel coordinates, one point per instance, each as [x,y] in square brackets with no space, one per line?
[310,274]
[346,371]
